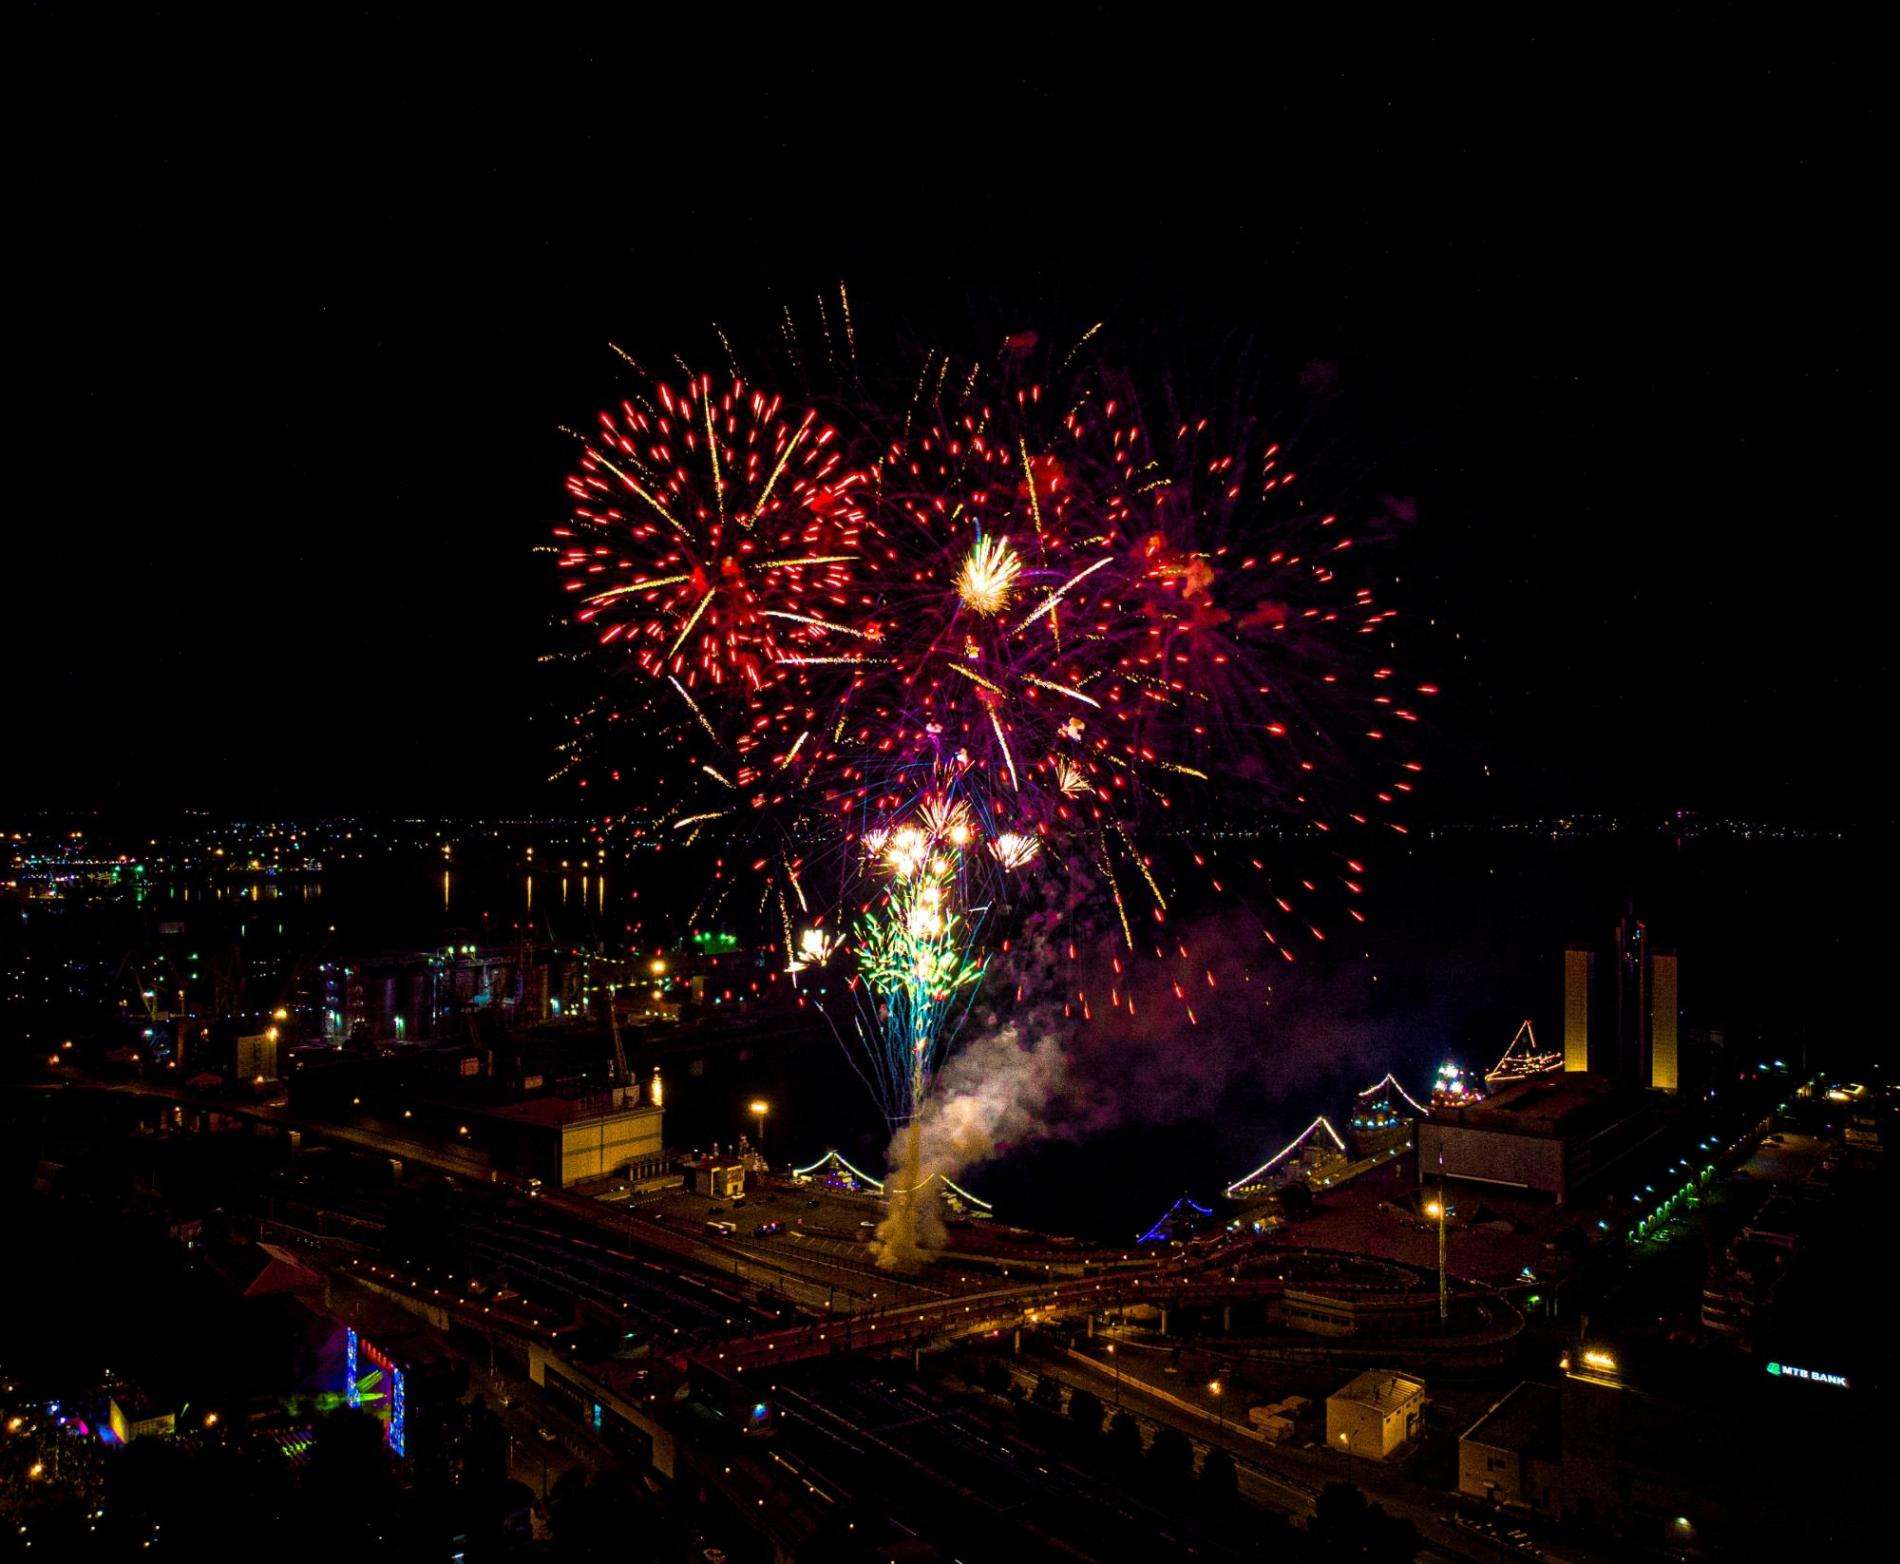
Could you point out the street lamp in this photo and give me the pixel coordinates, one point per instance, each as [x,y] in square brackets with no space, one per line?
[1115,1364]
[758,1108]
[1436,1208]
[1220,1406]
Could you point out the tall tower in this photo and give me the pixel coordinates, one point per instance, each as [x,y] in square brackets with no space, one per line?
[1579,974]
[1663,1011]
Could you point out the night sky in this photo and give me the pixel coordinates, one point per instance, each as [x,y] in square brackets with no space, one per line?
[297,313]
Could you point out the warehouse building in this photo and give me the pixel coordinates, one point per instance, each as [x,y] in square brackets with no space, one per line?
[1548,1135]
[1374,1416]
[566,1140]
[1513,1454]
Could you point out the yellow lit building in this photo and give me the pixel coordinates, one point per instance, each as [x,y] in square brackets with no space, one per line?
[1663,1015]
[1377,1414]
[131,1419]
[1579,971]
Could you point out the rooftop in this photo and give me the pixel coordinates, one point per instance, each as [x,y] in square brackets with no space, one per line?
[551,1112]
[1564,1103]
[1528,1421]
[1381,1390]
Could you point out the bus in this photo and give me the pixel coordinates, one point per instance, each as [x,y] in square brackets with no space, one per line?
[719,1229]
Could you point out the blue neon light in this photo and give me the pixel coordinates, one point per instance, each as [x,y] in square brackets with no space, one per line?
[1155,1235]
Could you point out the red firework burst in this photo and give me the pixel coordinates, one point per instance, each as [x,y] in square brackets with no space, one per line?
[714,533]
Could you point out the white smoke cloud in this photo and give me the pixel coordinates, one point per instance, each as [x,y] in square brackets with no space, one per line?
[994,1092]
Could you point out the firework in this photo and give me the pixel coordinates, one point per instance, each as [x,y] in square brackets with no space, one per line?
[1013,850]
[987,581]
[713,532]
[1000,629]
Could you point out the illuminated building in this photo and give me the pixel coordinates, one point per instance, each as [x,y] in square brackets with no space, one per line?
[1664,1072]
[373,1382]
[956,1199]
[1382,1117]
[1311,1156]
[1183,1219]
[834,1172]
[405,996]
[566,1139]
[386,1365]
[130,1417]
[257,1056]
[1628,1028]
[1454,1089]
[1522,1059]
[1375,1415]
[723,1178]
[1579,978]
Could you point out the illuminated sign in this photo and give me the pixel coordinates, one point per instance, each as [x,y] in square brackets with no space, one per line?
[1812,1376]
[365,1388]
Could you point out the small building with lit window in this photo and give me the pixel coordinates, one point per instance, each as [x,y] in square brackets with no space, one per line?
[1376,1415]
[566,1139]
[721,1178]
[130,1416]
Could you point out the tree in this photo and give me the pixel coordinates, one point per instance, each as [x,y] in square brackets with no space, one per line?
[1124,1443]
[1170,1462]
[1344,1523]
[1339,1518]
[1047,1394]
[1086,1413]
[349,1492]
[1296,1200]
[1390,1539]
[1220,1484]
[1274,1537]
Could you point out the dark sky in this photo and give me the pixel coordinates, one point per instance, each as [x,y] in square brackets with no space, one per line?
[297,310]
